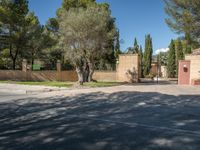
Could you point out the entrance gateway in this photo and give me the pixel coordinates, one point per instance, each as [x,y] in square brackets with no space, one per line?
[189,69]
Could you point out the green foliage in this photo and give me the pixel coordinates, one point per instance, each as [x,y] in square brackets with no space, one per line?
[85,37]
[162,58]
[147,55]
[68,4]
[134,49]
[117,45]
[184,18]
[23,37]
[179,50]
[141,60]
[14,26]
[171,62]
[150,76]
[179,54]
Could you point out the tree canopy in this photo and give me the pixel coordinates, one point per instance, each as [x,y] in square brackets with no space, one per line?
[85,36]
[184,18]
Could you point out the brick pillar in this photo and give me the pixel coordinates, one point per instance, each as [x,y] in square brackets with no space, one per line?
[24,65]
[59,73]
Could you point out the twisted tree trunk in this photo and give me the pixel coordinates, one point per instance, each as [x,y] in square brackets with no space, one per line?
[80,74]
[91,72]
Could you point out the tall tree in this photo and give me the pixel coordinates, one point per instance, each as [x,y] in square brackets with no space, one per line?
[184,18]
[148,54]
[135,47]
[179,53]
[171,60]
[179,50]
[117,45]
[53,51]
[141,60]
[107,61]
[35,42]
[13,23]
[85,37]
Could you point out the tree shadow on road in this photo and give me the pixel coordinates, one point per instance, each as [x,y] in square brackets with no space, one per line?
[100,121]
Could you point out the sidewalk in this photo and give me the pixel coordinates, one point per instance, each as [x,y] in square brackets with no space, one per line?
[26,89]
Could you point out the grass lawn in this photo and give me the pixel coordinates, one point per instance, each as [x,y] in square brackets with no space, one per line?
[101,84]
[47,83]
[63,84]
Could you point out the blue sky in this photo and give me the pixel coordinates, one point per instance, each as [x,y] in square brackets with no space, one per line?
[134,18]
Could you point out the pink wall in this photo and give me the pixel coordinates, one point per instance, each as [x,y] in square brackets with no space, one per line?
[184,72]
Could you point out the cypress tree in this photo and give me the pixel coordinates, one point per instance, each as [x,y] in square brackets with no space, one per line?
[117,45]
[141,60]
[179,54]
[171,61]
[135,47]
[148,55]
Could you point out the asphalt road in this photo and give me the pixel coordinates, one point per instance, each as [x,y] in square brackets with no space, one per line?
[117,118]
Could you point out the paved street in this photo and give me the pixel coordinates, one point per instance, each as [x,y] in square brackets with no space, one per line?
[127,117]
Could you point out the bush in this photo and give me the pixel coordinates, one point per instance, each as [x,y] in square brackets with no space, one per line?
[150,76]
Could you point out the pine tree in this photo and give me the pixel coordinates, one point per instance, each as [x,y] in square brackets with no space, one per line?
[148,55]
[184,19]
[171,60]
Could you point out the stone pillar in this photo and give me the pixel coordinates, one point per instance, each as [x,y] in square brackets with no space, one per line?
[24,65]
[59,70]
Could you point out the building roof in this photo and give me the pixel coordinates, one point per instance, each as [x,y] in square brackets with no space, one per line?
[196,52]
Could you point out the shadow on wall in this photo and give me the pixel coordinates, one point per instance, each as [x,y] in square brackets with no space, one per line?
[132,75]
[99,121]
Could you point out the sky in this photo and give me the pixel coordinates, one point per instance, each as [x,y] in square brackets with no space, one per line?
[134,18]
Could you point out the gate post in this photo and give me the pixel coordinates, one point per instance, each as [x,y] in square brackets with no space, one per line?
[59,70]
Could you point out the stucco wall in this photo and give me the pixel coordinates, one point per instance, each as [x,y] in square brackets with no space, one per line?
[163,71]
[128,69]
[105,75]
[194,66]
[154,68]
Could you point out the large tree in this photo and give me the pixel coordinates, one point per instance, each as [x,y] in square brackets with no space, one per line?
[35,39]
[184,18]
[171,61]
[13,25]
[108,60]
[147,55]
[85,36]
